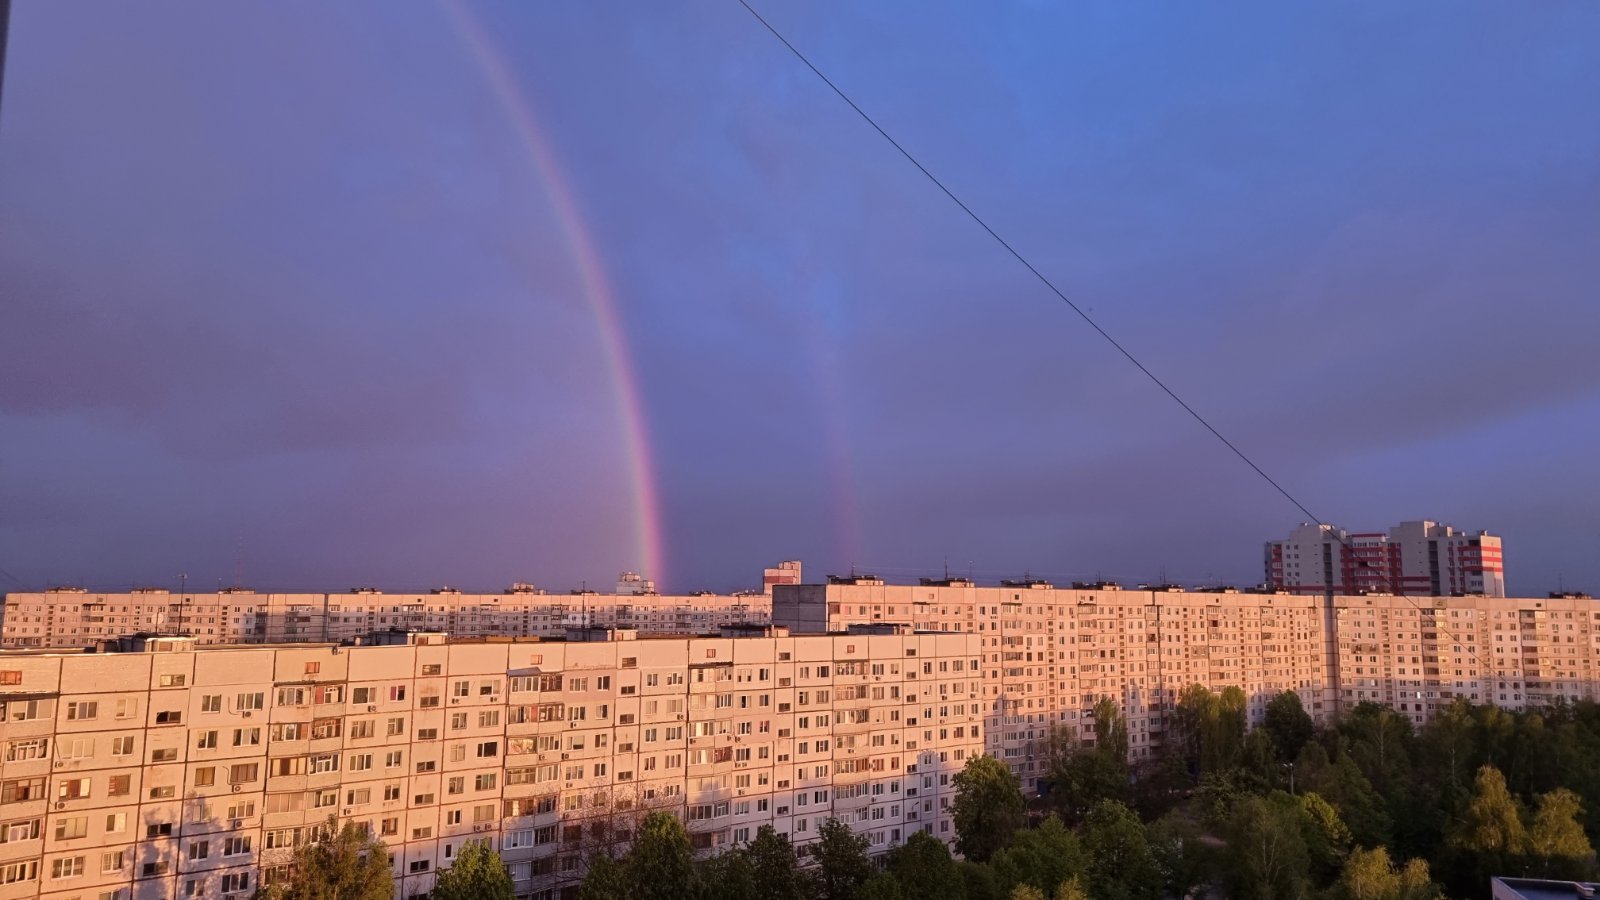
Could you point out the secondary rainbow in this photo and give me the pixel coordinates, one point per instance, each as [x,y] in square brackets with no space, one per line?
[597,290]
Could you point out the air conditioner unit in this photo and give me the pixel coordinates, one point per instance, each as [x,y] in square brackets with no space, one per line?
[237,788]
[246,714]
[372,708]
[235,823]
[60,763]
[61,804]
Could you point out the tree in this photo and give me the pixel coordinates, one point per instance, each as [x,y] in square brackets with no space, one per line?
[1027,892]
[476,874]
[1042,857]
[1491,824]
[882,886]
[979,882]
[1081,776]
[1289,724]
[924,869]
[605,880]
[842,864]
[1369,875]
[1489,836]
[988,807]
[1267,849]
[1121,866]
[1185,859]
[1556,841]
[774,867]
[1071,889]
[1327,839]
[338,863]
[1343,784]
[727,876]
[661,864]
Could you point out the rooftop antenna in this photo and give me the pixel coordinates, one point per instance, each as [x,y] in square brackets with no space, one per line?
[947,567]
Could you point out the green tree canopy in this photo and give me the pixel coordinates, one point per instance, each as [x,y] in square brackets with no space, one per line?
[1121,866]
[1042,857]
[1267,852]
[339,863]
[1289,724]
[1081,776]
[988,807]
[661,864]
[924,869]
[606,879]
[774,867]
[1556,842]
[476,874]
[841,861]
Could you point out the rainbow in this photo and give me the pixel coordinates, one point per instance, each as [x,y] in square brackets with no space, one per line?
[597,291]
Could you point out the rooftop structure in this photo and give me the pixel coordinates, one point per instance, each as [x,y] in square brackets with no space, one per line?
[1504,888]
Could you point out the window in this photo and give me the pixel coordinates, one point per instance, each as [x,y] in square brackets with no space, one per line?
[112,861]
[72,789]
[82,709]
[67,867]
[24,830]
[173,680]
[122,746]
[206,741]
[11,676]
[233,882]
[205,776]
[169,717]
[244,773]
[28,748]
[199,849]
[119,785]
[236,846]
[211,703]
[74,827]
[27,870]
[251,701]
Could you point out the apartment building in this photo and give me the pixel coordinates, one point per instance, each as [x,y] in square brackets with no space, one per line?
[175,770]
[1413,558]
[73,617]
[1049,654]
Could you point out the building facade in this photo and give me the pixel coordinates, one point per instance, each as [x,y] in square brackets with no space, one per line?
[170,770]
[1413,559]
[72,617]
[1049,654]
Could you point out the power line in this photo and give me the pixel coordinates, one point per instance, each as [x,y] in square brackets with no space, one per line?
[1045,280]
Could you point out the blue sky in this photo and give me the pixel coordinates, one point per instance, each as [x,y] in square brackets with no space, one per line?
[282,295]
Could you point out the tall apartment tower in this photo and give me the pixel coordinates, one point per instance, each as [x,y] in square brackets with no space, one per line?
[786,572]
[1414,558]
